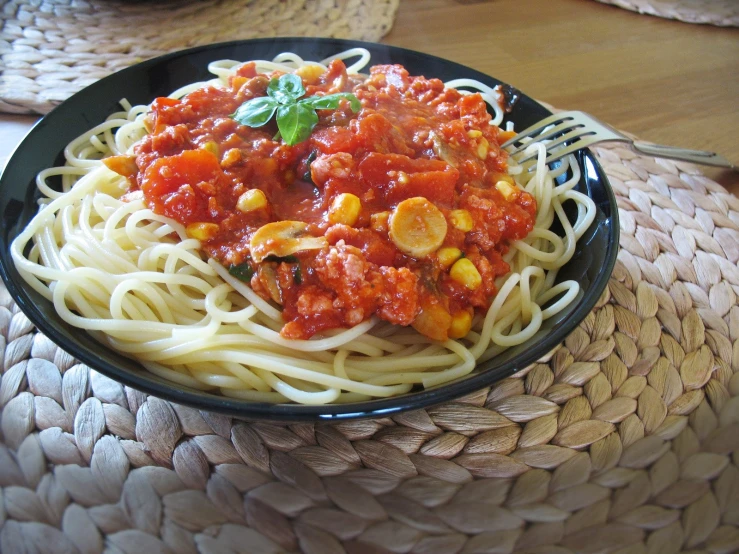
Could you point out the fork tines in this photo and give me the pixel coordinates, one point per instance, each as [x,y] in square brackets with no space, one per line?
[567,132]
[564,133]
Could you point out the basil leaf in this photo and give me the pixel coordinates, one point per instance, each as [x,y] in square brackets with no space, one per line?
[295,118]
[256,112]
[286,89]
[295,122]
[243,272]
[354,102]
[328,102]
[331,101]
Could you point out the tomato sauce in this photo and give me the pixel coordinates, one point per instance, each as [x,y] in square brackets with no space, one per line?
[412,139]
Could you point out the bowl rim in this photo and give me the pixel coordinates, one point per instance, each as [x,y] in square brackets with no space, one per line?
[380,407]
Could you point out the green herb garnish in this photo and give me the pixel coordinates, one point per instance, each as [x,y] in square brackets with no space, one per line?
[289,259]
[296,116]
[307,177]
[243,272]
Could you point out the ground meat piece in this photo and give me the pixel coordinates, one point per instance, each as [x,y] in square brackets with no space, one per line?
[331,166]
[376,250]
[172,140]
[399,302]
[341,266]
[488,218]
[313,301]
[362,287]
[346,293]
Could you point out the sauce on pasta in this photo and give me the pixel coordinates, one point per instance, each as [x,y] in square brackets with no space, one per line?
[180,255]
[402,210]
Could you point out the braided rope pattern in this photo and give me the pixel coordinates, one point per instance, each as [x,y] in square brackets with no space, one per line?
[722,13]
[50,49]
[625,440]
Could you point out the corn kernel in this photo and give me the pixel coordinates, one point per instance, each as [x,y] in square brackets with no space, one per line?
[482,148]
[465,273]
[474,133]
[505,177]
[212,147]
[345,209]
[252,199]
[509,192]
[462,220]
[461,324]
[202,231]
[448,255]
[378,221]
[310,73]
[231,158]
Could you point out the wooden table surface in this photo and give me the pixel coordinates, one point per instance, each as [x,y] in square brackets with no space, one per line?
[666,81]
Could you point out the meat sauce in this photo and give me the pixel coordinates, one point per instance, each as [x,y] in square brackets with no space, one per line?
[414,144]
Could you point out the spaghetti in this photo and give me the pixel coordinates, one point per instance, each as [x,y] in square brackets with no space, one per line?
[138,281]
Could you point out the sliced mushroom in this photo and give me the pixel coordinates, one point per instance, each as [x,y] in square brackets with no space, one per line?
[444,150]
[283,238]
[268,276]
[417,227]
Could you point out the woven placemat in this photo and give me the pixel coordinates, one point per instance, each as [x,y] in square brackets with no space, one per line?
[50,49]
[626,440]
[723,13]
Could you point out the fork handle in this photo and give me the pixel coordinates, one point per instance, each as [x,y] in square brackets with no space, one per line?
[696,156]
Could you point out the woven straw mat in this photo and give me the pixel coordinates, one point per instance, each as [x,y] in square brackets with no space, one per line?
[723,13]
[50,49]
[626,439]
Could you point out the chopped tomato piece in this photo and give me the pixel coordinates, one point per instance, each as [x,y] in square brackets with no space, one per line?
[401,177]
[181,186]
[332,140]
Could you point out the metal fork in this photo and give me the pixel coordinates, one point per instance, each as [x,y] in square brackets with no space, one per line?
[568,132]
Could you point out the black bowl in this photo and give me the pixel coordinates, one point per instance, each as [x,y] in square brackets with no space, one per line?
[591,265]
